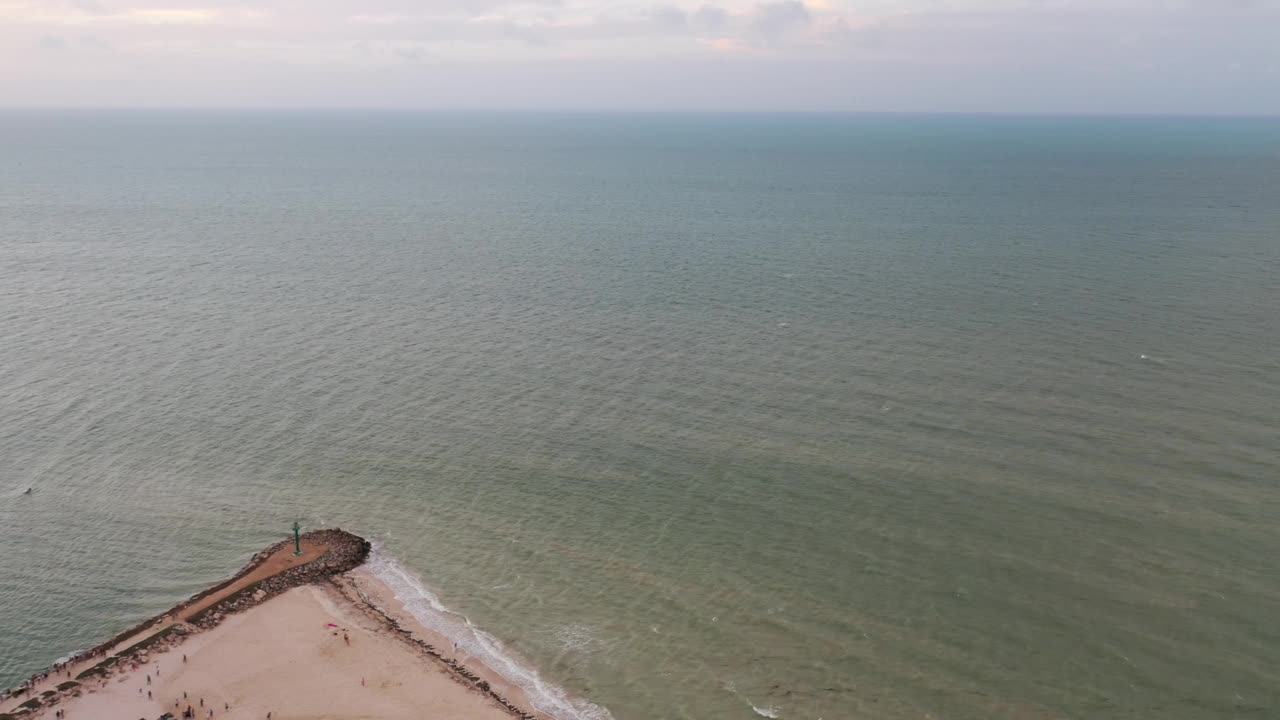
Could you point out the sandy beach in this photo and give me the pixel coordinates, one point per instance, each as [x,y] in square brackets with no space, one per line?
[339,647]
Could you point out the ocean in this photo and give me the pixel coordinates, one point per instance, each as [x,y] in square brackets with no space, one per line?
[674,416]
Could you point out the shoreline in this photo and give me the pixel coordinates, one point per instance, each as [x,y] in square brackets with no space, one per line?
[377,599]
[327,578]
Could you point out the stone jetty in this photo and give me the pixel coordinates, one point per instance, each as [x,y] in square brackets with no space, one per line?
[327,555]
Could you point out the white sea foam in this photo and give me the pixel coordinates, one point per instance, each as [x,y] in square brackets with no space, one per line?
[576,638]
[427,609]
[769,712]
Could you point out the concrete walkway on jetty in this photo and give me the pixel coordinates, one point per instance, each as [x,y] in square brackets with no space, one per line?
[277,561]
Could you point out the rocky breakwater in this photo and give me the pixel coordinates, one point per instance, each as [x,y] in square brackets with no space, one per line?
[341,551]
[344,552]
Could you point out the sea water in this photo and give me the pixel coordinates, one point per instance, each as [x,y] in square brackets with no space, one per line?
[669,416]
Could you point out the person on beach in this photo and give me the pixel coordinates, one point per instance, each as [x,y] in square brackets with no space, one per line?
[345,638]
[148,679]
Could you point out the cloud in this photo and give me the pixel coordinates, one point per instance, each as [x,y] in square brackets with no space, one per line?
[773,20]
[93,13]
[671,19]
[732,46]
[1150,55]
[170,16]
[709,18]
[86,42]
[666,17]
[412,53]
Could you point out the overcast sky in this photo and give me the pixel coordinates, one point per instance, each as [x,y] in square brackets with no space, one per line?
[1156,56]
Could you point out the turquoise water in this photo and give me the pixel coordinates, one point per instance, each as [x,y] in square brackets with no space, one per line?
[700,416]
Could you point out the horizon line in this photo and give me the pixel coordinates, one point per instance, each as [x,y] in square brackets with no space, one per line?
[630,111]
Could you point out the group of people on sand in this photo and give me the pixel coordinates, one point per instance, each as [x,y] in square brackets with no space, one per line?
[190,713]
[205,712]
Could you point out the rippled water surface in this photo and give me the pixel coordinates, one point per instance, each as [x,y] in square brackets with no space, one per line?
[701,417]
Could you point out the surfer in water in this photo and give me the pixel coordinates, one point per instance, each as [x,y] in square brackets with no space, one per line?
[28,491]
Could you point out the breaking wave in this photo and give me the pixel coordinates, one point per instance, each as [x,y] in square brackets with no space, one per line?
[427,609]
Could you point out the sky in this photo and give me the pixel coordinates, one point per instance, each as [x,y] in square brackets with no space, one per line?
[1035,56]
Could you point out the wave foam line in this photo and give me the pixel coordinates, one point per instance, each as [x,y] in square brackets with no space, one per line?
[427,609]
